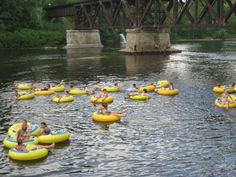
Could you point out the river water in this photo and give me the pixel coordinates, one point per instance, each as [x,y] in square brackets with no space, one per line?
[185,135]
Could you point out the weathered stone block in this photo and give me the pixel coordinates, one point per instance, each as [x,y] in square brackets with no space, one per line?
[148,40]
[83,39]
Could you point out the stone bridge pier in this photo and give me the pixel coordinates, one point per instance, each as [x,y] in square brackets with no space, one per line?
[139,41]
[147,41]
[83,39]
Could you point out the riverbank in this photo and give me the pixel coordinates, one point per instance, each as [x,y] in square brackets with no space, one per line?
[29,38]
[202,34]
[48,39]
[202,40]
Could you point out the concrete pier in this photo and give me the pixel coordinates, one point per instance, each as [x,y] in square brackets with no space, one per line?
[148,41]
[83,39]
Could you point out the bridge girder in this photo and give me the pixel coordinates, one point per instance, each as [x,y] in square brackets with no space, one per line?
[103,14]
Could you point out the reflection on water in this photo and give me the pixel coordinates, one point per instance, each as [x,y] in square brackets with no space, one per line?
[83,53]
[164,136]
[144,64]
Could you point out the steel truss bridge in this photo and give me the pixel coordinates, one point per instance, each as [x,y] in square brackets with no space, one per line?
[128,14]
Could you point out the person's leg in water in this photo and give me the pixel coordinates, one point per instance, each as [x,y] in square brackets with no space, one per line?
[44,147]
[225,103]
[122,113]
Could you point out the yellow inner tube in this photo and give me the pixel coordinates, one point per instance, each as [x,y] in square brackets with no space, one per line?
[100,100]
[32,128]
[25,96]
[140,97]
[149,88]
[24,87]
[105,118]
[232,97]
[222,89]
[44,92]
[27,155]
[11,142]
[168,92]
[111,89]
[63,99]
[218,103]
[58,88]
[162,83]
[55,136]
[78,92]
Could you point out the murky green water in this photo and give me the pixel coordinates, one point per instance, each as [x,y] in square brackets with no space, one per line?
[184,135]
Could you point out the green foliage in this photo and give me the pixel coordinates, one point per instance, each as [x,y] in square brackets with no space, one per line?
[28,38]
[110,35]
[57,2]
[209,33]
[61,24]
[21,24]
[16,14]
[220,34]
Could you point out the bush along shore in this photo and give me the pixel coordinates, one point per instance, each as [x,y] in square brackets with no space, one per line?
[31,38]
[28,38]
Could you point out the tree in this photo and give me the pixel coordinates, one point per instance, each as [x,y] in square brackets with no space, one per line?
[15,14]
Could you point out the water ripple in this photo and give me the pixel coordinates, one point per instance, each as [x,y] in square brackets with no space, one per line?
[164,136]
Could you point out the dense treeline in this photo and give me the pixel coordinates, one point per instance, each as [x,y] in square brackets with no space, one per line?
[210,33]
[22,26]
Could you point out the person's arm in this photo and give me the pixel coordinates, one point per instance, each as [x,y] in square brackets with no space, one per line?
[99,108]
[220,97]
[29,128]
[18,133]
[133,94]
[59,98]
[27,135]
[61,83]
[103,111]
[41,132]
[105,96]
[97,87]
[99,96]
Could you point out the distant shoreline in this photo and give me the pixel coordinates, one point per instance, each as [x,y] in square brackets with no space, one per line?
[199,40]
[173,41]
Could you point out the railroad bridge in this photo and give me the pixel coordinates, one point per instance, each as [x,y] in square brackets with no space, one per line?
[147,22]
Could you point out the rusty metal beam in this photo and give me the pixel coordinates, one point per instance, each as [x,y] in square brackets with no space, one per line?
[187,26]
[84,10]
[150,3]
[167,11]
[211,10]
[205,10]
[106,15]
[175,10]
[116,13]
[232,10]
[185,11]
[127,13]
